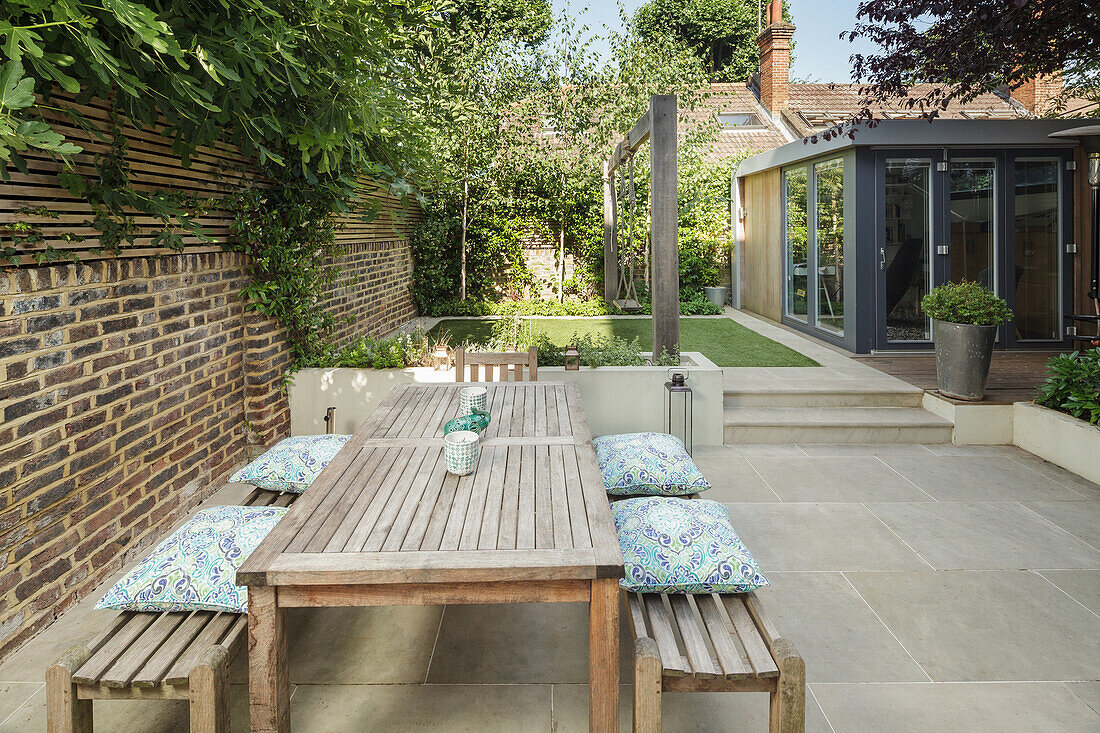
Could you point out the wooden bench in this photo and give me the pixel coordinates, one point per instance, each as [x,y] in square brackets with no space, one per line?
[143,656]
[712,643]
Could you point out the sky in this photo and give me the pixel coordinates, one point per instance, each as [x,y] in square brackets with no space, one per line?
[819,54]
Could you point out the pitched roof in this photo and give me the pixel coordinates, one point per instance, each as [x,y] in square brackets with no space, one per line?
[815,107]
[734,99]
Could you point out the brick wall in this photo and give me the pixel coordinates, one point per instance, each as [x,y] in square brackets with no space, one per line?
[372,296]
[122,401]
[126,389]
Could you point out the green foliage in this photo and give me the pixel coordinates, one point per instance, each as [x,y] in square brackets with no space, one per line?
[696,304]
[722,33]
[364,352]
[288,232]
[965,302]
[1073,385]
[319,85]
[597,350]
[472,307]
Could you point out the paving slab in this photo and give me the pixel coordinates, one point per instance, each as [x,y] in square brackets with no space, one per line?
[1089,692]
[1081,585]
[518,643]
[972,625]
[984,536]
[441,708]
[980,478]
[1081,519]
[731,476]
[820,537]
[836,479]
[955,708]
[837,634]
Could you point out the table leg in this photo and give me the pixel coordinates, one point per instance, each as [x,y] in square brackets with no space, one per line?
[603,657]
[268,681]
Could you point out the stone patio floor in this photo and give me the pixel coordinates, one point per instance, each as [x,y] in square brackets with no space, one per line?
[929,588]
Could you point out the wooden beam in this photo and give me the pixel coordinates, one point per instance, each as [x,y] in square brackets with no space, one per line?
[634,139]
[664,210]
[610,253]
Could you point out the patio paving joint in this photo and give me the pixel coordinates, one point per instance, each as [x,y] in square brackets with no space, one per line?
[884,625]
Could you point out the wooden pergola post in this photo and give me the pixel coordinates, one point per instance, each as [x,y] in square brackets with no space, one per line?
[664,213]
[610,246]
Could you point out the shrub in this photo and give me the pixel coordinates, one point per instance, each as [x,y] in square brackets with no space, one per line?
[965,302]
[597,351]
[366,352]
[469,307]
[1073,385]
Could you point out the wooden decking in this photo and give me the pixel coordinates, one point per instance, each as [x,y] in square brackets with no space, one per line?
[1014,376]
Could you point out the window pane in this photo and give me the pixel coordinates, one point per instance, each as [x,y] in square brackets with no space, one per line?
[972,222]
[907,248]
[796,266]
[830,245]
[1037,250]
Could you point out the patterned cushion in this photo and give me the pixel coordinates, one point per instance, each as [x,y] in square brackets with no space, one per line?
[682,546]
[195,567]
[647,463]
[292,463]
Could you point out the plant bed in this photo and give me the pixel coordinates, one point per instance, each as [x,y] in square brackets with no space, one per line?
[1059,438]
[724,342]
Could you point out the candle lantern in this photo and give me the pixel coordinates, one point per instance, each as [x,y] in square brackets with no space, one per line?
[572,358]
[441,358]
[677,385]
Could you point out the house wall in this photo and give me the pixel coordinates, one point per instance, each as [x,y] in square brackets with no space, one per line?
[761,267]
[132,385]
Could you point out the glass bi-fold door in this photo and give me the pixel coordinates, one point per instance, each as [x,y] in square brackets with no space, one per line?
[997,219]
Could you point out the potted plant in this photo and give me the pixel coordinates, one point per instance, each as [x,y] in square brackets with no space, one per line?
[965,316]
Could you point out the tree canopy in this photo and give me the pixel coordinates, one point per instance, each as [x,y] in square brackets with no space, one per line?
[721,32]
[968,48]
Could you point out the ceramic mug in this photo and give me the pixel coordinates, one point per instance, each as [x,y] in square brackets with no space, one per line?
[473,398]
[460,451]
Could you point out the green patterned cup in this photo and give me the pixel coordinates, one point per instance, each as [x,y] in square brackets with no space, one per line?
[460,450]
[473,399]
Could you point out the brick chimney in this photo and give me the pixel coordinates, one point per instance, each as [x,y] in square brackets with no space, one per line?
[1038,93]
[775,59]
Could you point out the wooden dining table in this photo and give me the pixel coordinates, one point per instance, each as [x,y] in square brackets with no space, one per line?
[385,524]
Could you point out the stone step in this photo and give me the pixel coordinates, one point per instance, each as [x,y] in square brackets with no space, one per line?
[835,425]
[824,395]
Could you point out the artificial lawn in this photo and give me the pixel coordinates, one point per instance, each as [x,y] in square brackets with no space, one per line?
[725,342]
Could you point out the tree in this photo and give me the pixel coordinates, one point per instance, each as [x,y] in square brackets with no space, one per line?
[721,32]
[968,48]
[475,76]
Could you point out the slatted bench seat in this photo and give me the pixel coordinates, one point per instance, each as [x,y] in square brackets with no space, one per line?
[712,643]
[156,656]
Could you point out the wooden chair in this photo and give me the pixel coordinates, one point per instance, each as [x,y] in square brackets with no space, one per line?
[175,656]
[509,363]
[712,643]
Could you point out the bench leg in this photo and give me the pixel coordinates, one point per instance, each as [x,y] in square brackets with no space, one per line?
[65,712]
[647,686]
[788,704]
[208,692]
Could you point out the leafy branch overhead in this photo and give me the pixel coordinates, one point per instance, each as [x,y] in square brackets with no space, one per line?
[963,49]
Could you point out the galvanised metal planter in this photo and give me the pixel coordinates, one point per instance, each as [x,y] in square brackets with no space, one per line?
[963,354]
[716,295]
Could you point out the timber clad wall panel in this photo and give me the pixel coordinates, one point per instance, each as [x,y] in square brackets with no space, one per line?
[762,255]
[132,386]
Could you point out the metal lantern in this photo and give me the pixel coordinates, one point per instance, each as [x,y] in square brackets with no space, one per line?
[677,385]
[441,358]
[572,358]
